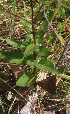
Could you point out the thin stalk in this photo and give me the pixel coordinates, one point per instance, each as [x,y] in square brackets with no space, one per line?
[33,34]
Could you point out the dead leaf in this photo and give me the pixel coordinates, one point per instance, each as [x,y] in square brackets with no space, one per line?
[15,68]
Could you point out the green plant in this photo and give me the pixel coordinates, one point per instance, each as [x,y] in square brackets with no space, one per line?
[34,53]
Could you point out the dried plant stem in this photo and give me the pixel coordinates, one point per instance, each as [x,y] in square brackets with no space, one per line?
[51,25]
[11,105]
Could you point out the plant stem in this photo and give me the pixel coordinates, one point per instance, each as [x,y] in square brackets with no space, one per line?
[33,34]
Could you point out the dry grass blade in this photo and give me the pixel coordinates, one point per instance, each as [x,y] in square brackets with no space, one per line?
[11,105]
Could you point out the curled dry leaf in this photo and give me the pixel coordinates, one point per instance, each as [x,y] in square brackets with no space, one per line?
[15,68]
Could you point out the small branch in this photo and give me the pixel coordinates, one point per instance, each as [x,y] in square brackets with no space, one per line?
[4,63]
[51,25]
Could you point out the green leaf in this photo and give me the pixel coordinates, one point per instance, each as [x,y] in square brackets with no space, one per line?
[65,76]
[27,26]
[25,10]
[62,40]
[28,57]
[32,64]
[48,66]
[51,37]
[40,16]
[40,32]
[12,57]
[45,25]
[24,80]
[29,38]
[30,48]
[64,2]
[50,15]
[63,13]
[17,44]
[44,52]
[45,65]
[39,35]
[39,1]
[61,26]
[60,12]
